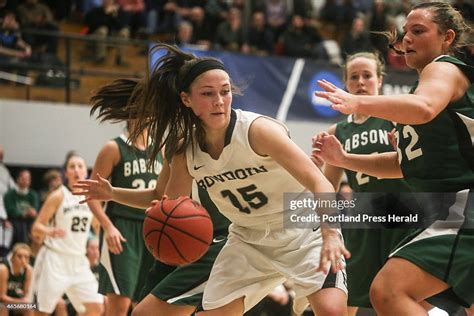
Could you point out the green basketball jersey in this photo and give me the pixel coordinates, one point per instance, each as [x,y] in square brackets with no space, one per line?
[368,138]
[15,283]
[439,156]
[132,172]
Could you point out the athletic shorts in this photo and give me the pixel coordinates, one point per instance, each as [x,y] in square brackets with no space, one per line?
[369,250]
[56,274]
[253,262]
[446,248]
[183,285]
[126,273]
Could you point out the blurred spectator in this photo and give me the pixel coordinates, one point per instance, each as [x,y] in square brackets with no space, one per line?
[296,42]
[37,16]
[52,179]
[357,39]
[8,6]
[12,47]
[303,7]
[217,11]
[132,15]
[259,39]
[103,21]
[276,13]
[6,183]
[185,34]
[22,206]
[15,279]
[379,23]
[6,230]
[229,34]
[346,16]
[93,255]
[202,29]
[466,8]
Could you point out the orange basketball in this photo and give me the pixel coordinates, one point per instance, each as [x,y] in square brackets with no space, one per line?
[177,232]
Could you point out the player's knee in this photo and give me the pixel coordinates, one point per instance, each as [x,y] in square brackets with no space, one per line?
[331,309]
[95,309]
[379,294]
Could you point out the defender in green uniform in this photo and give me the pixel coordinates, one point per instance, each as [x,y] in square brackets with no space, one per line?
[361,134]
[435,153]
[124,267]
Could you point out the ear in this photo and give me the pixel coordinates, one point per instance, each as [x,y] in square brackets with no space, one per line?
[449,37]
[379,86]
[185,99]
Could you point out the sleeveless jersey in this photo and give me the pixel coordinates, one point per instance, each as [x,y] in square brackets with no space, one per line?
[246,187]
[15,283]
[439,156]
[75,219]
[132,172]
[368,138]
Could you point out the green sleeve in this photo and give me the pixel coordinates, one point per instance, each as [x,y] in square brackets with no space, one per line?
[10,204]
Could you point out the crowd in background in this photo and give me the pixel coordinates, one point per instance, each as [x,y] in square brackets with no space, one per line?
[317,29]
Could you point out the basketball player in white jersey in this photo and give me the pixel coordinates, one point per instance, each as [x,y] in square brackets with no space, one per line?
[61,265]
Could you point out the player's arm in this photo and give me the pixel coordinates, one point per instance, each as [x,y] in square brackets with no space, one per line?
[268,138]
[40,227]
[4,298]
[383,165]
[107,159]
[439,84]
[180,181]
[331,172]
[27,284]
[99,188]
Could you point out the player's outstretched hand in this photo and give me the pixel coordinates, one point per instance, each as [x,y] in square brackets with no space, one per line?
[341,100]
[99,189]
[114,239]
[332,251]
[329,149]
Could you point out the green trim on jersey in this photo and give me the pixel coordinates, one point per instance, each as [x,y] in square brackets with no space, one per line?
[132,172]
[439,156]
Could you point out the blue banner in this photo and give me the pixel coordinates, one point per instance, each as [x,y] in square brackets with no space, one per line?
[283,87]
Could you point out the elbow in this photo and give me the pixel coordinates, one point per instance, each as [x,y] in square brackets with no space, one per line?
[427,114]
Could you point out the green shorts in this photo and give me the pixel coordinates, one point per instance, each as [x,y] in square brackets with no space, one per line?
[125,274]
[445,250]
[183,285]
[369,249]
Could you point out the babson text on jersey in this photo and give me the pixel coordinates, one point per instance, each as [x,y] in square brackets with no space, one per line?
[238,174]
[139,166]
[374,136]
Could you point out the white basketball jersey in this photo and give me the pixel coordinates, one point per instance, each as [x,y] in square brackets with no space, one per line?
[246,187]
[76,220]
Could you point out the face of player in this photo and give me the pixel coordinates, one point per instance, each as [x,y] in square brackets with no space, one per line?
[361,76]
[423,41]
[210,99]
[75,170]
[21,258]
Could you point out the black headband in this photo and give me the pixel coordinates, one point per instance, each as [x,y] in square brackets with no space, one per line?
[197,69]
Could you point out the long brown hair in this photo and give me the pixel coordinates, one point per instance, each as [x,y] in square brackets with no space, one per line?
[446,17]
[111,100]
[170,123]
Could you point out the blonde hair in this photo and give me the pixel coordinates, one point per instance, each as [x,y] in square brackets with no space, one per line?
[19,246]
[380,65]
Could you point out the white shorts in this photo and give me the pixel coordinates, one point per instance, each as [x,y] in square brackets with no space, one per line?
[253,263]
[55,274]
